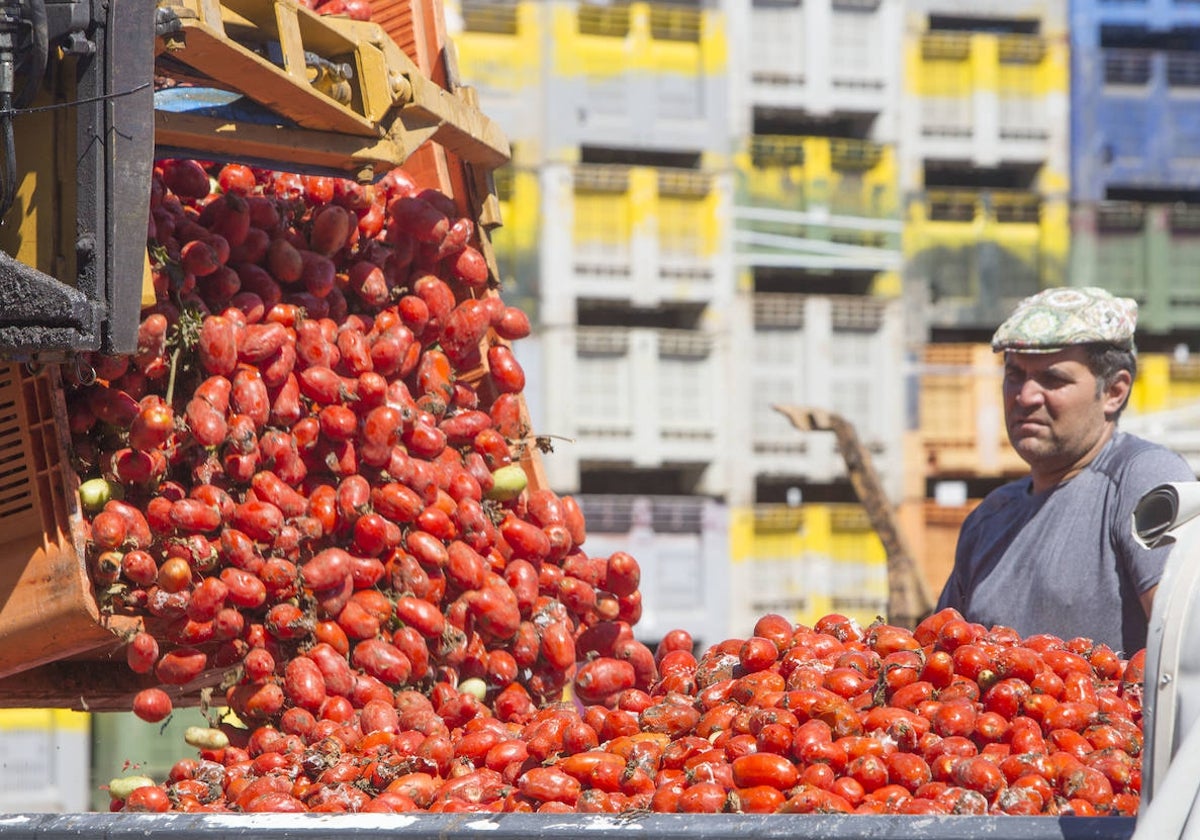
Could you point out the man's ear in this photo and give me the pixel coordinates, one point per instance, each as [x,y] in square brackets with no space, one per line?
[1116,394]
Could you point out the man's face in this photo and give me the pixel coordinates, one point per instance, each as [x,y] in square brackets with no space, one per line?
[1052,412]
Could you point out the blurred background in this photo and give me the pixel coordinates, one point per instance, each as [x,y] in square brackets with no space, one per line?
[714,207]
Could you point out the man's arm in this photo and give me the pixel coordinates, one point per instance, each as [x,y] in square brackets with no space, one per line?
[1147,599]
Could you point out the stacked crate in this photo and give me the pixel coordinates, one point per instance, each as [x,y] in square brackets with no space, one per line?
[1136,158]
[821,325]
[614,241]
[1136,194]
[983,164]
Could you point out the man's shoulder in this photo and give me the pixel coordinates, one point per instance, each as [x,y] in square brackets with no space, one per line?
[1130,444]
[1129,451]
[1133,465]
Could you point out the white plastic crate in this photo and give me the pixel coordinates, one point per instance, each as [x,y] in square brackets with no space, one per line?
[640,396]
[823,56]
[644,75]
[841,354]
[44,761]
[984,96]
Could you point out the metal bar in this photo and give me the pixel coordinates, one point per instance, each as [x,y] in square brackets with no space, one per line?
[803,217]
[556,826]
[824,246]
[300,147]
[129,146]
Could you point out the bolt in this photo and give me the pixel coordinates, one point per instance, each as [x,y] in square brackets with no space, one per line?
[402,88]
[78,44]
[1164,680]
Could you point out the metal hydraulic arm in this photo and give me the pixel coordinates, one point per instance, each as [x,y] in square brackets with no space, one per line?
[91,93]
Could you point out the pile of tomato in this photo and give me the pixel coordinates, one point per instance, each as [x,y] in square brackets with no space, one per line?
[307,486]
[949,719]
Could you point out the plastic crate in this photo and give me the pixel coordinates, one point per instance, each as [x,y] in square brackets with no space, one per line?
[844,177]
[1135,120]
[1150,252]
[641,234]
[47,610]
[805,562]
[44,764]
[640,395]
[962,414]
[989,97]
[826,56]
[646,75]
[838,353]
[971,255]
[636,75]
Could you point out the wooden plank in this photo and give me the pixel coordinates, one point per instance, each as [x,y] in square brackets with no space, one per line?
[285,93]
[305,148]
[99,684]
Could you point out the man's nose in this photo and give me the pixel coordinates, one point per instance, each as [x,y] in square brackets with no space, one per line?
[1030,393]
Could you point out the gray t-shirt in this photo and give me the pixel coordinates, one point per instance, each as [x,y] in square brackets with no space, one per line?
[1064,561]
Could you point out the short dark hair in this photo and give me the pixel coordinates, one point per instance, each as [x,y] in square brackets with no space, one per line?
[1106,361]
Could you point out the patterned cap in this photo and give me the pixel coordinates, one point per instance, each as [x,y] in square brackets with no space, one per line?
[1058,318]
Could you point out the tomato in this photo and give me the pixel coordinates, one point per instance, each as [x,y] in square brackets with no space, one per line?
[152,705]
[185,178]
[258,664]
[148,799]
[513,324]
[180,666]
[505,371]
[108,530]
[382,660]
[769,769]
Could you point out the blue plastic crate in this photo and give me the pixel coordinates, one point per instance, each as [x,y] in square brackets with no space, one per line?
[1135,97]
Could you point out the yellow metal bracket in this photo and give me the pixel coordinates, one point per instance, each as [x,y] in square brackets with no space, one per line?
[347,95]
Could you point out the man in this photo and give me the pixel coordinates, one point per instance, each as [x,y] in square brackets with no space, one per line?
[1053,552]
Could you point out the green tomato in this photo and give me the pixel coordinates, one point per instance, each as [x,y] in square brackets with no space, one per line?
[508,483]
[474,686]
[95,493]
[120,788]
[204,737]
